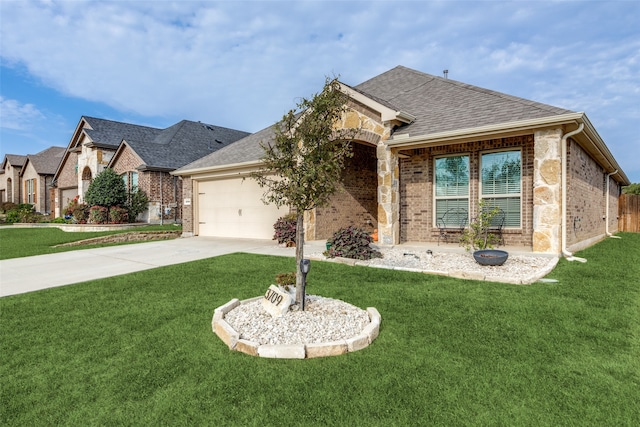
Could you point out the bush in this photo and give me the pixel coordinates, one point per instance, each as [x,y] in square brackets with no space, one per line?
[285,229]
[80,213]
[98,215]
[352,242]
[107,189]
[137,203]
[59,220]
[286,279]
[23,212]
[6,206]
[118,215]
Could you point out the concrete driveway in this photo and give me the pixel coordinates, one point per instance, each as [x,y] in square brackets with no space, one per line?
[29,274]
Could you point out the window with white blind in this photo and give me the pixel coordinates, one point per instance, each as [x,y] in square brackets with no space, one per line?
[30,192]
[451,184]
[501,184]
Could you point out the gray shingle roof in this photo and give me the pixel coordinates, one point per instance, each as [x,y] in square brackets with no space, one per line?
[182,143]
[16,160]
[46,162]
[443,105]
[245,150]
[110,133]
[438,104]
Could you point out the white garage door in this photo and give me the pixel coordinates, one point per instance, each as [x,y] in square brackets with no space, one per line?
[233,208]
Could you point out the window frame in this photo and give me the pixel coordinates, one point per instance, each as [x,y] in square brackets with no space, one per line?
[436,198]
[502,195]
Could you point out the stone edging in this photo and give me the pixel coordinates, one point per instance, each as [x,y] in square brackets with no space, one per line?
[291,351]
[458,274]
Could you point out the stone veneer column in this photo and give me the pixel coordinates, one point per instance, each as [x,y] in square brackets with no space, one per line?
[547,191]
[388,206]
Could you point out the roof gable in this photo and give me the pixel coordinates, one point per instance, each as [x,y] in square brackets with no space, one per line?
[16,160]
[46,161]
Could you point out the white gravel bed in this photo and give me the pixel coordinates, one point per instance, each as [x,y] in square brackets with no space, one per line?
[517,268]
[323,320]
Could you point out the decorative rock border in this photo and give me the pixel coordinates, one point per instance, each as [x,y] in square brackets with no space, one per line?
[291,351]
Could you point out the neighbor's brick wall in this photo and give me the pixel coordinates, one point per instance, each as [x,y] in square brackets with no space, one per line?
[586,197]
[187,211]
[355,203]
[171,196]
[68,177]
[416,188]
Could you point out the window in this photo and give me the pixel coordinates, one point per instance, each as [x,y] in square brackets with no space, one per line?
[451,184]
[501,184]
[30,190]
[130,181]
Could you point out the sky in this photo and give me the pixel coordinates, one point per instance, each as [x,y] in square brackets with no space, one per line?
[243,64]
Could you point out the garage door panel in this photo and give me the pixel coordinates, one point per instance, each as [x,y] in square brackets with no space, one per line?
[233,208]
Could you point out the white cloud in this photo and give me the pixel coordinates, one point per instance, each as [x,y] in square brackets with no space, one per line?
[17,116]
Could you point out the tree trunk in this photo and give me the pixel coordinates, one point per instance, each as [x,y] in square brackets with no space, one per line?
[300,288]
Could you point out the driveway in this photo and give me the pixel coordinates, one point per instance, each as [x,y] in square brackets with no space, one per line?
[29,274]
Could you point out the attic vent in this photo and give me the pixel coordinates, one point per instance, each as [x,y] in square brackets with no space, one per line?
[445,73]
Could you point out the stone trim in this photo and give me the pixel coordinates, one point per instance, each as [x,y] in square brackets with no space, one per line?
[232,339]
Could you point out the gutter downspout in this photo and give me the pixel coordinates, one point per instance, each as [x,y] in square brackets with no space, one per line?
[606,224]
[568,255]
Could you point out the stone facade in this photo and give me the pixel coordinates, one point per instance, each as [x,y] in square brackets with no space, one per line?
[416,190]
[10,185]
[547,188]
[187,209]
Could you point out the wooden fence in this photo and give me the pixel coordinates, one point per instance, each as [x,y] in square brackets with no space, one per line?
[629,213]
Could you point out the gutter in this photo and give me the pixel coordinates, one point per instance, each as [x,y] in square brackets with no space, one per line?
[568,255]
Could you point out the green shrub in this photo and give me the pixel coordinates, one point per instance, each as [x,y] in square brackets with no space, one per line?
[59,220]
[98,215]
[21,213]
[107,189]
[81,213]
[137,203]
[352,242]
[285,229]
[286,279]
[118,215]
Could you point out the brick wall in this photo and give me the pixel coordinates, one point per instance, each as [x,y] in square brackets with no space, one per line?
[416,188]
[165,196]
[355,203]
[586,196]
[187,210]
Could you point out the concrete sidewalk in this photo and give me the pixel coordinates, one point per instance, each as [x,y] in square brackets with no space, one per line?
[34,273]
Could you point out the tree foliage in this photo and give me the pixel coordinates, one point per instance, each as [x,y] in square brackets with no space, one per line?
[107,189]
[631,189]
[303,163]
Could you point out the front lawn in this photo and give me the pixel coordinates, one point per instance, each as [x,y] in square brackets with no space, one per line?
[139,350]
[23,242]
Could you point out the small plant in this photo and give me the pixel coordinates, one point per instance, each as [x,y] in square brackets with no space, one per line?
[118,215]
[477,236]
[98,214]
[352,242]
[286,280]
[285,230]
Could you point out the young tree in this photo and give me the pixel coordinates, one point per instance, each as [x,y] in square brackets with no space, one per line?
[303,164]
[631,189]
[107,189]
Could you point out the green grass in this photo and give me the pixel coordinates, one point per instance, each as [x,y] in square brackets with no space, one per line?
[23,242]
[139,350]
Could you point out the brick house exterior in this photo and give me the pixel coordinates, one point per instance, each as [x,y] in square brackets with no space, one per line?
[10,183]
[36,177]
[142,155]
[547,166]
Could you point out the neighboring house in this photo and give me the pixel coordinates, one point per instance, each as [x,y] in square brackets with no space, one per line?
[37,175]
[10,178]
[146,163]
[142,155]
[429,144]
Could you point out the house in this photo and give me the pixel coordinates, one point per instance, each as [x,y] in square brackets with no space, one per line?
[36,177]
[429,144]
[142,155]
[10,178]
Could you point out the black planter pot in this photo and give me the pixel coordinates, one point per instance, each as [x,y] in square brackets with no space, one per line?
[490,257]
